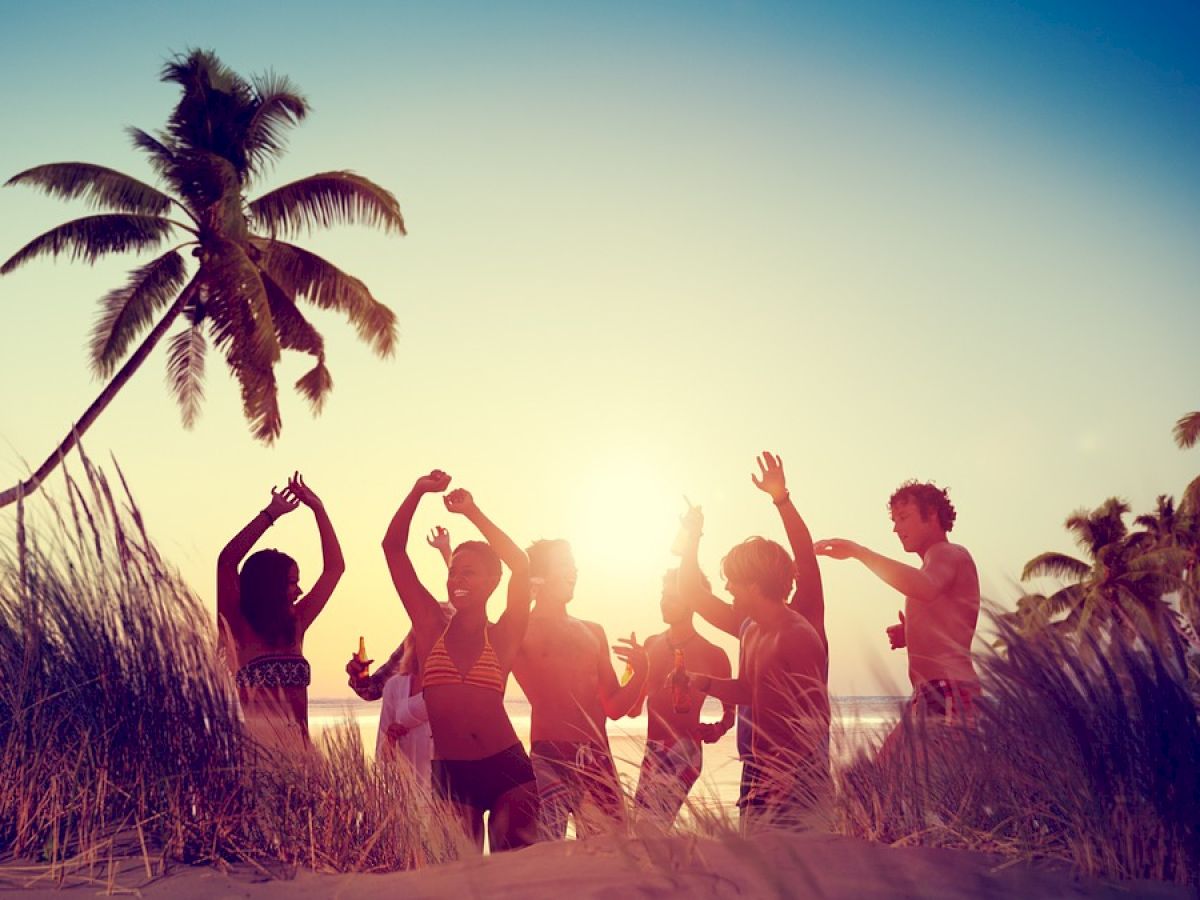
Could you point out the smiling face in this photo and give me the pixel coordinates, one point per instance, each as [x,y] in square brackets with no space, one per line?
[916,532]
[471,579]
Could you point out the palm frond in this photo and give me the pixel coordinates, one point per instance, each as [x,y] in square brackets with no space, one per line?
[129,310]
[280,107]
[91,237]
[314,385]
[237,307]
[97,185]
[320,201]
[1069,599]
[1056,565]
[162,158]
[302,274]
[1187,430]
[1190,504]
[260,393]
[185,371]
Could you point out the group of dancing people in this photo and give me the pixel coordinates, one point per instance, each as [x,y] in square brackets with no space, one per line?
[443,688]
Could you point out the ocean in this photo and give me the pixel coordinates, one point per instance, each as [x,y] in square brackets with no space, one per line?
[856,722]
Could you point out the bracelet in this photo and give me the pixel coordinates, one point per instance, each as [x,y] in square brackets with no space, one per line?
[787,495]
[270,518]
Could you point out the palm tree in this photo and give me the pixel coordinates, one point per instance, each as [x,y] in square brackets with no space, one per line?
[219,140]
[1121,582]
[1187,430]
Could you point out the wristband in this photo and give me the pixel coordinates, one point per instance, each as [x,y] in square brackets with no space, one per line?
[270,518]
[787,495]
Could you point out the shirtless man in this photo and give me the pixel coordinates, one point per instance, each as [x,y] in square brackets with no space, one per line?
[673,754]
[783,666]
[565,670]
[941,601]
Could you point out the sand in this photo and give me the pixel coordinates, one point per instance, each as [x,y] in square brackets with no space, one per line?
[774,865]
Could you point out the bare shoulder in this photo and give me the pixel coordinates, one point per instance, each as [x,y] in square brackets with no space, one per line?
[799,635]
[947,553]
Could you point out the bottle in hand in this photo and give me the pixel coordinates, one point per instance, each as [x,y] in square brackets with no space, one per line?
[681,698]
[362,657]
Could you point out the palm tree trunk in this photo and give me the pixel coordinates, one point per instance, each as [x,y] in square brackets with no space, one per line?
[31,484]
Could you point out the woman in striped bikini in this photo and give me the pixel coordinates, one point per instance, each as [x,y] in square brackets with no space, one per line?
[480,765]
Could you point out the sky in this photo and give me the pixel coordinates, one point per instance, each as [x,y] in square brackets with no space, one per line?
[949,241]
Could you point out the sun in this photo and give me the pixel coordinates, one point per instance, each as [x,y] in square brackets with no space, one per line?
[627,514]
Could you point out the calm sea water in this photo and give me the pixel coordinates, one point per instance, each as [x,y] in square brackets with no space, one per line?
[856,721]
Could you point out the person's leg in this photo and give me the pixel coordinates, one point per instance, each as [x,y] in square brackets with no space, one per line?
[553,794]
[514,821]
[452,783]
[599,802]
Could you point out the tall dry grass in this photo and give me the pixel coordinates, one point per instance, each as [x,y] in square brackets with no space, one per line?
[1087,758]
[119,728]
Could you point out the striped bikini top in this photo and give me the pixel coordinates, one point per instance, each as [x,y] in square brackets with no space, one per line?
[440,668]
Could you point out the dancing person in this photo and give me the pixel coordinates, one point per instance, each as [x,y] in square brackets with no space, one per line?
[479,766]
[808,599]
[941,602]
[263,615]
[404,731]
[565,671]
[674,756]
[783,667]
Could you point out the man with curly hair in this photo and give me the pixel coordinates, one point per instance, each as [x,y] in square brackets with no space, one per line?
[941,600]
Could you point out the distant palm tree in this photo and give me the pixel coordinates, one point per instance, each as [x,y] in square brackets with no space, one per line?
[220,139]
[1187,430]
[1121,582]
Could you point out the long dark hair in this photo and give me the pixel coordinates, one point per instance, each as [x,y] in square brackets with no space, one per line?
[263,584]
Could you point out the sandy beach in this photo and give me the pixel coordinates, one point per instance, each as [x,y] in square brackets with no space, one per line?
[774,865]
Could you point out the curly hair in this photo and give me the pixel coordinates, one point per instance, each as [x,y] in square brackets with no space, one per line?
[929,499]
[761,562]
[262,589]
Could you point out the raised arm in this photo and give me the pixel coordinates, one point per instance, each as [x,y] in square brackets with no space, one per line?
[333,564]
[925,583]
[515,617]
[439,540]
[230,557]
[692,588]
[809,596]
[620,699]
[420,605]
[711,732]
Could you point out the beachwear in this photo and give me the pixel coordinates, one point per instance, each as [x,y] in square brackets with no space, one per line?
[570,775]
[669,769]
[479,783]
[289,670]
[401,707]
[951,702]
[486,673]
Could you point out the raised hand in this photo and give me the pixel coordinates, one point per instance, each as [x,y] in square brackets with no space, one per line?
[770,477]
[836,548]
[282,502]
[897,634]
[302,491]
[460,501]
[439,539]
[692,521]
[433,483]
[634,654]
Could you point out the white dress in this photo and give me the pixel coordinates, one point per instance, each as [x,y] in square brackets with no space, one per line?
[409,711]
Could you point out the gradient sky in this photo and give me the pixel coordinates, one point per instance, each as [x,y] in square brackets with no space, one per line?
[953,241]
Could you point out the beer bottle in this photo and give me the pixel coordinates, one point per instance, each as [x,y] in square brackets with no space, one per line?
[362,657]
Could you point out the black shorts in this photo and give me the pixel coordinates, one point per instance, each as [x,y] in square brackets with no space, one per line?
[481,782]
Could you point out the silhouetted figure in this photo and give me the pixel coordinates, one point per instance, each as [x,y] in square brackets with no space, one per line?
[404,731]
[566,672]
[263,617]
[941,601]
[480,766]
[783,667]
[674,733]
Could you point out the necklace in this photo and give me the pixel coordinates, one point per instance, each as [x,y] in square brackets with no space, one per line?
[674,646]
